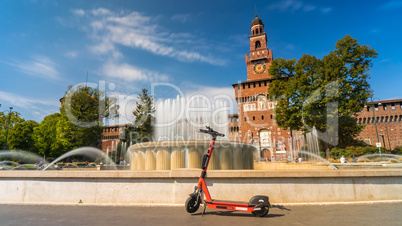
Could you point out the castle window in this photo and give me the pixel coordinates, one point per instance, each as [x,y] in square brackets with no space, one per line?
[262,117]
[253,117]
[249,85]
[244,86]
[259,84]
[245,119]
[260,30]
[271,117]
[393,106]
[257,44]
[256,32]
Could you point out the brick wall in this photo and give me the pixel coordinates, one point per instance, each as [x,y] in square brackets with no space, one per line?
[389,123]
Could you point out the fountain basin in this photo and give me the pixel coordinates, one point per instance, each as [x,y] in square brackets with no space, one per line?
[169,155]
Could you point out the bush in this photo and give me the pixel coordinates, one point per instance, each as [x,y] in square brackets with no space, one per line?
[397,151]
[352,152]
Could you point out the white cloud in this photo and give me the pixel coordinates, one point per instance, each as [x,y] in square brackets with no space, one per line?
[130,73]
[37,107]
[72,54]
[100,11]
[182,18]
[111,30]
[78,12]
[38,66]
[295,5]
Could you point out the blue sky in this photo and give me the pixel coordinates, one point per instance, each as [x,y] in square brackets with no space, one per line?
[195,46]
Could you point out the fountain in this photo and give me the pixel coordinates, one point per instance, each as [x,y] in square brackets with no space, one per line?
[88,151]
[177,143]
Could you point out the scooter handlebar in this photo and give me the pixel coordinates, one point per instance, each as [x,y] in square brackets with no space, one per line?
[211,132]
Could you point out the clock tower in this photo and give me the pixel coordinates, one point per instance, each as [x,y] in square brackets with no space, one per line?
[255,122]
[259,57]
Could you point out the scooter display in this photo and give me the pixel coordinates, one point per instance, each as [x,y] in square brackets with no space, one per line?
[258,205]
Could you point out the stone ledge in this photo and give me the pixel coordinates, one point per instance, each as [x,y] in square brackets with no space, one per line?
[194,173]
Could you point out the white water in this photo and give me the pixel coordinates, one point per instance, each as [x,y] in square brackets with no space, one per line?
[88,151]
[182,118]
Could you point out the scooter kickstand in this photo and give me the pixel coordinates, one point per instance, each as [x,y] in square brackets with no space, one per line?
[205,206]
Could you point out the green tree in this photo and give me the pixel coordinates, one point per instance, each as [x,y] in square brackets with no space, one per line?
[144,119]
[81,117]
[323,92]
[20,136]
[45,136]
[15,119]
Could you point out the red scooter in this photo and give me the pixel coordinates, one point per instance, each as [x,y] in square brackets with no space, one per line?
[258,205]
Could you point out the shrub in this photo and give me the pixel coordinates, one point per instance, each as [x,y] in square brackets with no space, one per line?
[397,151]
[352,152]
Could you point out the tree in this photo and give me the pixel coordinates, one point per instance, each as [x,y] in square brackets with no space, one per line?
[325,93]
[144,118]
[81,118]
[15,118]
[20,136]
[45,136]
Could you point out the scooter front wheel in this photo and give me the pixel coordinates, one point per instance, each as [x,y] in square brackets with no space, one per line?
[192,205]
[261,213]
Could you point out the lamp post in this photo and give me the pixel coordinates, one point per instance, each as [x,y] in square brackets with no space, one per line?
[375,123]
[389,143]
[8,126]
[383,141]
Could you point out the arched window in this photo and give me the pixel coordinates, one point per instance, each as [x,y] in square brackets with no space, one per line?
[257,44]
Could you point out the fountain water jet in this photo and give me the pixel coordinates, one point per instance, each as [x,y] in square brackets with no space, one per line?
[88,151]
[177,143]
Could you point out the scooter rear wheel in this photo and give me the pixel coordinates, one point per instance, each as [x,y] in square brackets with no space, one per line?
[262,213]
[192,205]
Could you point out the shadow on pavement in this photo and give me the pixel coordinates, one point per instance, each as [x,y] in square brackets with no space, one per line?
[280,207]
[236,214]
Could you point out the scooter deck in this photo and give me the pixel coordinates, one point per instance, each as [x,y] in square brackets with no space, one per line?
[234,203]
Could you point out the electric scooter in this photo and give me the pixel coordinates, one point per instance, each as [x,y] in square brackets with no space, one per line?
[258,205]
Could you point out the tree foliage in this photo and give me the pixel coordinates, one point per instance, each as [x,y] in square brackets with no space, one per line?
[45,136]
[144,118]
[4,123]
[314,92]
[81,118]
[20,136]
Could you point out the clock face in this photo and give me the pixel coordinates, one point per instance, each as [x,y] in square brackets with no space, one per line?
[259,68]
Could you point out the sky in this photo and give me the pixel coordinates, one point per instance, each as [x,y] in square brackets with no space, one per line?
[175,47]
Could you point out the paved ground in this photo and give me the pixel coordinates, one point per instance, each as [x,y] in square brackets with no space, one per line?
[357,214]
